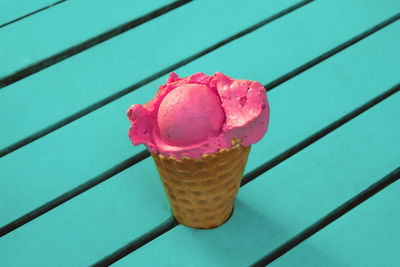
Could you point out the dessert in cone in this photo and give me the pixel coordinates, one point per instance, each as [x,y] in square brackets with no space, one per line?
[199,130]
[202,191]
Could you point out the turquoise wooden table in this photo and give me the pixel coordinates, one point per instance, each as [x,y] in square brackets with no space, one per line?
[320,189]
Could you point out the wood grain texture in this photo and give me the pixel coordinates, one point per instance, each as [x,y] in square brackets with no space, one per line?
[367,236]
[122,62]
[78,234]
[78,145]
[333,215]
[133,202]
[46,33]
[14,10]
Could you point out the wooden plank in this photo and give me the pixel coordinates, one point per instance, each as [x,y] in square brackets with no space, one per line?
[333,215]
[77,146]
[289,197]
[125,206]
[109,78]
[103,79]
[47,33]
[369,235]
[27,188]
[94,211]
[14,10]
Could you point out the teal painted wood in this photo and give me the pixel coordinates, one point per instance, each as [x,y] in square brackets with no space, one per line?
[25,193]
[14,9]
[122,61]
[92,224]
[58,232]
[53,30]
[107,66]
[285,200]
[367,236]
[77,144]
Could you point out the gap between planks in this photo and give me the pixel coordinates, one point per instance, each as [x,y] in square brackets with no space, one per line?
[115,96]
[155,76]
[288,153]
[32,13]
[49,61]
[73,192]
[330,217]
[130,161]
[370,191]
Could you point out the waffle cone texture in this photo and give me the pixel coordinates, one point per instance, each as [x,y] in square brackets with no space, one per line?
[202,191]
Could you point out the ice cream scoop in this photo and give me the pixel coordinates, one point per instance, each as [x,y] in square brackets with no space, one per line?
[200,115]
[190,114]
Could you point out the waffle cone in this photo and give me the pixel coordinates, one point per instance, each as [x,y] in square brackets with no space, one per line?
[202,191]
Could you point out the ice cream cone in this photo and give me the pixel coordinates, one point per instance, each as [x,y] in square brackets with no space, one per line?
[202,191]
[183,126]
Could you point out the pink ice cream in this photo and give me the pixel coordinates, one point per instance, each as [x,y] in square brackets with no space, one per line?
[199,115]
[189,115]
